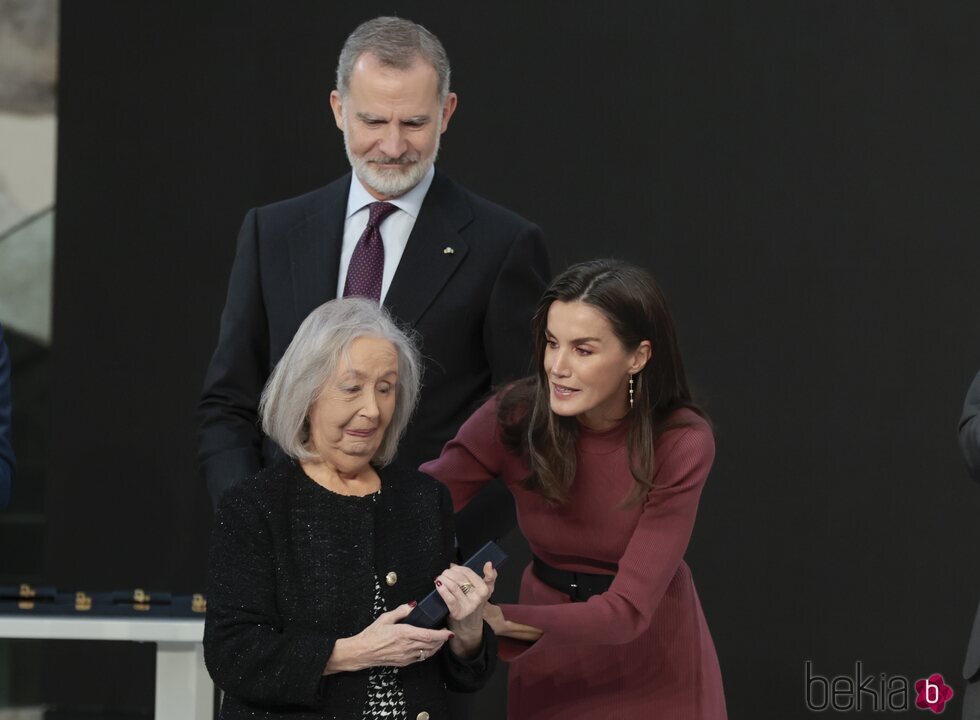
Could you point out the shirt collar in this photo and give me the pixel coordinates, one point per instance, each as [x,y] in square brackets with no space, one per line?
[410,202]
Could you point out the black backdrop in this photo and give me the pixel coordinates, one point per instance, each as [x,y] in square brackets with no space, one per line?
[802,178]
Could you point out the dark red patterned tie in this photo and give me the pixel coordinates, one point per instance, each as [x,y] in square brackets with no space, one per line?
[367,264]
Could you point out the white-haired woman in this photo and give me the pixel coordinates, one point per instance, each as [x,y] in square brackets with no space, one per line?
[314,561]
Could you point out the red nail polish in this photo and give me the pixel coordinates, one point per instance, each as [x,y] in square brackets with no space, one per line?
[412,604]
[438,583]
[451,636]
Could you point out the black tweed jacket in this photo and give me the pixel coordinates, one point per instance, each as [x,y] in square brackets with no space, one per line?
[293,567]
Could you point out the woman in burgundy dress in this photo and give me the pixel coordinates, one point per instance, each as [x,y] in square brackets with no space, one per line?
[606,455]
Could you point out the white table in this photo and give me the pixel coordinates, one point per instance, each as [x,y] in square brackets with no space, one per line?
[183,688]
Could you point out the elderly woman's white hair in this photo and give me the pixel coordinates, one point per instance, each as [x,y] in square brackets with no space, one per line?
[312,358]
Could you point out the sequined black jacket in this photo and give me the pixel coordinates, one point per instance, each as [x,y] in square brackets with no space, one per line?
[293,567]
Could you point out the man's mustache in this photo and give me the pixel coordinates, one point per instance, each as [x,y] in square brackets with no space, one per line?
[406,159]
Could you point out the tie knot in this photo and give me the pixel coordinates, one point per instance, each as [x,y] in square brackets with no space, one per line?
[378,212]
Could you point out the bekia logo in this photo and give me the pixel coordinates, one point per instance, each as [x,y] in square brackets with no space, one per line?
[844,693]
[932,693]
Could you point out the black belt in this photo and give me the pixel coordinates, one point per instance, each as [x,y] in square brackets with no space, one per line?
[577,585]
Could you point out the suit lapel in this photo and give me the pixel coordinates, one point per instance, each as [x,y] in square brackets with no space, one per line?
[314,248]
[433,252]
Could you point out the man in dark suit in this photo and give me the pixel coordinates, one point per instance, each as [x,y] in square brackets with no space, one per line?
[464,273]
[6,443]
[970,445]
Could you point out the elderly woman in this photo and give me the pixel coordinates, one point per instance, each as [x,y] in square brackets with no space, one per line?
[315,561]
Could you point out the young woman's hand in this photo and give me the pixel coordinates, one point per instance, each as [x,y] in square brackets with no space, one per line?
[505,628]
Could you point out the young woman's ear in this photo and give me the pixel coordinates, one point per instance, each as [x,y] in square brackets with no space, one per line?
[641,356]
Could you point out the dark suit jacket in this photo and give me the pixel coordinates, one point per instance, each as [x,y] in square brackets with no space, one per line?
[294,566]
[472,306]
[970,445]
[6,441]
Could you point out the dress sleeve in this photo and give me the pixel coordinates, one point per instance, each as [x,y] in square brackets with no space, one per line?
[471,459]
[248,652]
[651,560]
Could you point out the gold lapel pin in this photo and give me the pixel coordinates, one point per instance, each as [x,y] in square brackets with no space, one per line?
[447,250]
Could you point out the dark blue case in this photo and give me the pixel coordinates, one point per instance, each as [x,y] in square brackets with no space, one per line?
[431,612]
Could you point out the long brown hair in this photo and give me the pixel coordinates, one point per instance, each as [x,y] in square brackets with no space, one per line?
[630,300]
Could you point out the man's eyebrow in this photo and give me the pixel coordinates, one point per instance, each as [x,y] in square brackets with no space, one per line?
[414,120]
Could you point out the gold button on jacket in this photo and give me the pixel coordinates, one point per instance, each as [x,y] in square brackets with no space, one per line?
[391,578]
[422,716]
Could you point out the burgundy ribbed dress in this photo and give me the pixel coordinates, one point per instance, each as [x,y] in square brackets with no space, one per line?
[641,650]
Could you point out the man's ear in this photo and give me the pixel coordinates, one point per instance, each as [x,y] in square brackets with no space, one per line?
[337,105]
[448,108]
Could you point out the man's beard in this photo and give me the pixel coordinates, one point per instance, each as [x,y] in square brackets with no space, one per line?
[393,182]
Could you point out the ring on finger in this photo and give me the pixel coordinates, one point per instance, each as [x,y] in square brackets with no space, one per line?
[421,655]
[466,587]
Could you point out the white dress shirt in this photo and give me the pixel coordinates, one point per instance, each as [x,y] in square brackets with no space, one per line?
[394,229]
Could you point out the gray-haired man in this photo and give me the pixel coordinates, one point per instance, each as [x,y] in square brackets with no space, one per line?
[463,272]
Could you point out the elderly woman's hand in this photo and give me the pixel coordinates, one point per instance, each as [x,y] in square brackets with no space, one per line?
[385,642]
[466,594]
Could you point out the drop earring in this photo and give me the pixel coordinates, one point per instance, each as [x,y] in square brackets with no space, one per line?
[631,392]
